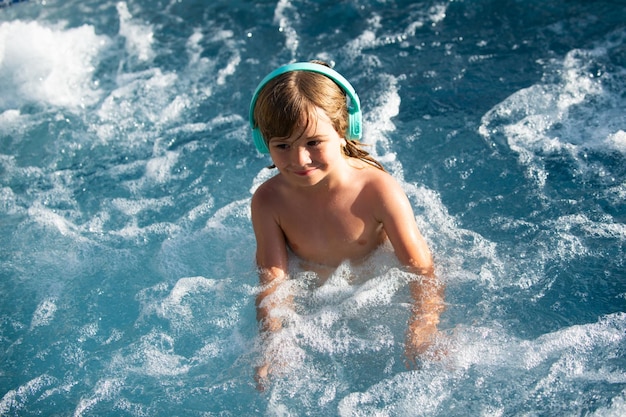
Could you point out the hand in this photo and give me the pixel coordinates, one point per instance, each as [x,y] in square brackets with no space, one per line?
[262,377]
[264,373]
[420,338]
[273,364]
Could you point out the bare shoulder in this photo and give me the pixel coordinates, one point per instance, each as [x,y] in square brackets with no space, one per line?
[385,196]
[382,183]
[267,193]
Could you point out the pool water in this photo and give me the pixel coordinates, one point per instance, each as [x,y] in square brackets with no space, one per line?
[127,272]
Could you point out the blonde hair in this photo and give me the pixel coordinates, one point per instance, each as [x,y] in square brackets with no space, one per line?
[285,101]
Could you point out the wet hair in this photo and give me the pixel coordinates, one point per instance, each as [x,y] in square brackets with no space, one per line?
[290,99]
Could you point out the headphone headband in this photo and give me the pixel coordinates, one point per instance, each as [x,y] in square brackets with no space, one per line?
[354,105]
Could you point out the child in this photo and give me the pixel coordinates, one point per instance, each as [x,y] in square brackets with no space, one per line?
[330,201]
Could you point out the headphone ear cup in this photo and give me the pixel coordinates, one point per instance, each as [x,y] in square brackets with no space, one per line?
[355,126]
[259,142]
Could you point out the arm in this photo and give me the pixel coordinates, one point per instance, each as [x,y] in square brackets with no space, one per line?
[271,258]
[427,293]
[428,304]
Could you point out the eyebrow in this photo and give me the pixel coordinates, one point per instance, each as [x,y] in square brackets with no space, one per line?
[282,139]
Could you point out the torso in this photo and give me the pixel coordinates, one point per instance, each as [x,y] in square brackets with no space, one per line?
[330,227]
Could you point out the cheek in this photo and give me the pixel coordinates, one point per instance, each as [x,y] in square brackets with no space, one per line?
[330,154]
[278,160]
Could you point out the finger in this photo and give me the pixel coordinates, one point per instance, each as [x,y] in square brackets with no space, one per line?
[261,384]
[412,362]
[261,377]
[410,358]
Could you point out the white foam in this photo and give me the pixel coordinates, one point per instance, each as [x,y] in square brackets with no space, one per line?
[574,345]
[524,373]
[606,229]
[49,65]
[176,108]
[616,409]
[569,111]
[228,70]
[379,117]
[322,312]
[285,16]
[364,41]
[139,37]
[44,313]
[155,362]
[193,303]
[184,287]
[133,231]
[460,254]
[376,34]
[153,355]
[194,50]
[406,394]
[142,99]
[15,400]
[139,95]
[617,141]
[49,218]
[437,12]
[159,168]
[237,209]
[9,119]
[203,208]
[105,389]
[132,207]
[331,327]
[8,201]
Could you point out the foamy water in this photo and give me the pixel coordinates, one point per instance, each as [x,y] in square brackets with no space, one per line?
[126,171]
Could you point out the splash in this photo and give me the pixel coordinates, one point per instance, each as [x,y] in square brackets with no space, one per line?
[49,65]
[286,16]
[44,313]
[139,37]
[560,115]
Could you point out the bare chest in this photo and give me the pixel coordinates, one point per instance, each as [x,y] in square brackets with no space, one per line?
[329,234]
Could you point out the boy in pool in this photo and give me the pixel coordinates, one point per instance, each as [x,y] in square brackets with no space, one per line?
[330,201]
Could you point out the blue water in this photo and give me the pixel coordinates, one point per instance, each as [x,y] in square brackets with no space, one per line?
[126,170]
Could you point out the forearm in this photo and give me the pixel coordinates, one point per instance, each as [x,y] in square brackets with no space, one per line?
[270,299]
[427,294]
[264,314]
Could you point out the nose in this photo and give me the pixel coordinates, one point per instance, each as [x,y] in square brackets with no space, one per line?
[303,157]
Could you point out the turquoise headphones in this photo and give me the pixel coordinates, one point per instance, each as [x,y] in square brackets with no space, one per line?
[354,105]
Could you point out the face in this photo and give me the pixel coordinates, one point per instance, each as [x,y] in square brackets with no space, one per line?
[309,155]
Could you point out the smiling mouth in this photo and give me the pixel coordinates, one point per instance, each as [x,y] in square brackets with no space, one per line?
[304,172]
